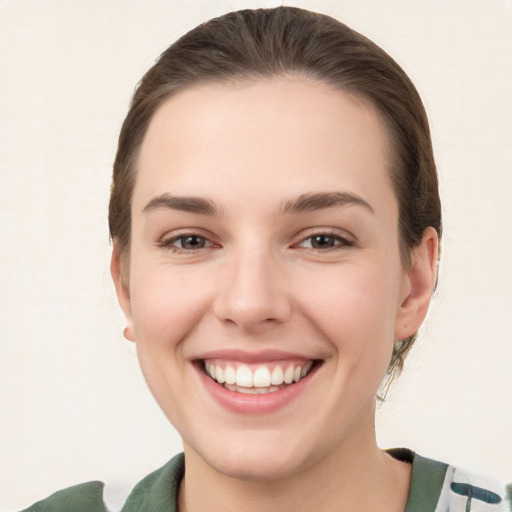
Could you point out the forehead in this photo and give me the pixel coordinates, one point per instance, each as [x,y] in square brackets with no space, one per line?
[273,135]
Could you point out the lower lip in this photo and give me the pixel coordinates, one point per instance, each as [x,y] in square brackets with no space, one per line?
[255,404]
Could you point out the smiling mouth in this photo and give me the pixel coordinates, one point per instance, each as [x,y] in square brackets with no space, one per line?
[258,379]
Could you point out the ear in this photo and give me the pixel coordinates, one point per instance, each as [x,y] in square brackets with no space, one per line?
[122,290]
[418,284]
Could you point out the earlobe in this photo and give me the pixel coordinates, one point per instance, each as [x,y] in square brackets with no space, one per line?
[128,333]
[420,281]
[122,290]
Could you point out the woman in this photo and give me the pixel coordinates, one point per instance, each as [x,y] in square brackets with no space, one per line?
[275,220]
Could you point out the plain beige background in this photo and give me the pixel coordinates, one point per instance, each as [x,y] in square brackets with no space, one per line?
[73,404]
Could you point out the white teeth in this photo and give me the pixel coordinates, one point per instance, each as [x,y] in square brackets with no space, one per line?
[243,380]
[262,377]
[251,391]
[277,376]
[247,391]
[244,377]
[229,375]
[306,368]
[288,375]
[219,372]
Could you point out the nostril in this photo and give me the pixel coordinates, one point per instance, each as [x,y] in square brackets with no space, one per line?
[252,314]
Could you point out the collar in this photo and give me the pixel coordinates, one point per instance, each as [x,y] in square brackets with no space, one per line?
[158,492]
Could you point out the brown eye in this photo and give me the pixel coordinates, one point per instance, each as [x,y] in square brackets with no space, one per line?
[323,241]
[191,242]
[186,243]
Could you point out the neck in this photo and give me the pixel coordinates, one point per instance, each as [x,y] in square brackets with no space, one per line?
[355,476]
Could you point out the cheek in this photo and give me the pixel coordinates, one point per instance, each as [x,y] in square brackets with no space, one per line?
[355,308]
[167,304]
[166,309]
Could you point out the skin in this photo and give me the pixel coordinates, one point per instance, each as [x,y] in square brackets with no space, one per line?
[255,280]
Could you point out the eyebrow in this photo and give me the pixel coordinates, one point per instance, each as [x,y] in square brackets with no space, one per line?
[188,204]
[303,204]
[321,200]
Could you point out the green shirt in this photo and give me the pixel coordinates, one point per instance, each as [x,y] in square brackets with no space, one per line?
[435,487]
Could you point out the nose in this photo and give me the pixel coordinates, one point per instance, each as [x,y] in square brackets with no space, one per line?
[254,293]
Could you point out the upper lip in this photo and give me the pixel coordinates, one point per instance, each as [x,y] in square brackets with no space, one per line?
[243,356]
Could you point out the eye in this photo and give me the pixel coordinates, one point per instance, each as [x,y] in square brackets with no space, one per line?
[186,243]
[324,241]
[191,242]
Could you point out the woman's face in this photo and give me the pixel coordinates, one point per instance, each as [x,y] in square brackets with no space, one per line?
[265,246]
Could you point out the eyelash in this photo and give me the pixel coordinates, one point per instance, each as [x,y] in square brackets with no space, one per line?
[168,243]
[339,242]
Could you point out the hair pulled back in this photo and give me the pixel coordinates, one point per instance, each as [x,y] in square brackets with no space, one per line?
[261,43]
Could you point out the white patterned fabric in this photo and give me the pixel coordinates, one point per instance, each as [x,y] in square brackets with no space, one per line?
[465,492]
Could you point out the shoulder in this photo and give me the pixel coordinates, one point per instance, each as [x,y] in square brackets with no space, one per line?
[87,497]
[157,492]
[440,487]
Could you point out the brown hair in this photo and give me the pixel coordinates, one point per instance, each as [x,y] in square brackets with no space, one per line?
[251,44]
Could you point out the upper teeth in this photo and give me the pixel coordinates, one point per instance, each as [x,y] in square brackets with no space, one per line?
[261,377]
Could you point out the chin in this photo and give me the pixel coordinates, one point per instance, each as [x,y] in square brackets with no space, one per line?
[256,459]
[257,467]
